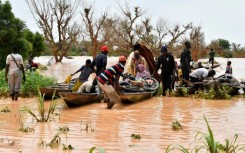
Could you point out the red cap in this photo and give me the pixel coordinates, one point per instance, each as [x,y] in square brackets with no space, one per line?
[122,59]
[104,49]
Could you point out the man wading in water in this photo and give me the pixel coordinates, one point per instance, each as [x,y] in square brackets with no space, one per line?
[185,60]
[167,64]
[108,79]
[14,72]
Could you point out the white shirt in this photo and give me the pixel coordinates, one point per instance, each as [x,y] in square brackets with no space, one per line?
[12,65]
[199,73]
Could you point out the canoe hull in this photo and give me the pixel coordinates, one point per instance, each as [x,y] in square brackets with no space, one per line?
[134,97]
[78,99]
[48,91]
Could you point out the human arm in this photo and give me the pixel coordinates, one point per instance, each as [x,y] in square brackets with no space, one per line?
[187,60]
[117,86]
[78,71]
[158,66]
[104,63]
[6,72]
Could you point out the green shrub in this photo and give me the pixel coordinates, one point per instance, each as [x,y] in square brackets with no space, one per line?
[30,87]
[34,81]
[222,92]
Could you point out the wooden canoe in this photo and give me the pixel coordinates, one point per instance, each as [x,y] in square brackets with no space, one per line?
[49,91]
[134,97]
[221,81]
[78,99]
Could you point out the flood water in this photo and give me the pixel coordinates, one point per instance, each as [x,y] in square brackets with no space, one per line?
[112,129]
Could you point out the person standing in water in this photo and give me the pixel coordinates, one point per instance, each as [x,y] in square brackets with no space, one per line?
[100,61]
[185,60]
[167,64]
[108,81]
[14,72]
[211,56]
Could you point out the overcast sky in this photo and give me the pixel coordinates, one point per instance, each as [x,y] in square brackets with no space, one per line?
[219,18]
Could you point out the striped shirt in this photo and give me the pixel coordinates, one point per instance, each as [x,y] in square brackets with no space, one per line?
[108,75]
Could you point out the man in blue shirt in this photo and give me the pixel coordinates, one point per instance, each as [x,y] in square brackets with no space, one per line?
[100,61]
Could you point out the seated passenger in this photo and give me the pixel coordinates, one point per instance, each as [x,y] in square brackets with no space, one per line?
[228,70]
[88,87]
[142,72]
[31,65]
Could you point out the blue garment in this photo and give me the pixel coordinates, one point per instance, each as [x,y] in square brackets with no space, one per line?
[85,73]
[100,62]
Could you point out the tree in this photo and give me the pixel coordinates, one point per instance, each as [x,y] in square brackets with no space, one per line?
[37,40]
[220,46]
[93,27]
[11,33]
[176,31]
[128,23]
[197,40]
[224,44]
[161,30]
[55,20]
[144,32]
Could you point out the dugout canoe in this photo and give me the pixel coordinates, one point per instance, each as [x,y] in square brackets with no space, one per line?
[79,99]
[73,99]
[49,91]
[233,83]
[134,97]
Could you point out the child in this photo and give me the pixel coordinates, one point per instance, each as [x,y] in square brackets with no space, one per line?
[84,75]
[228,71]
[142,72]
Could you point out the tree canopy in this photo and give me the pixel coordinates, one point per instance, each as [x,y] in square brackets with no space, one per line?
[13,31]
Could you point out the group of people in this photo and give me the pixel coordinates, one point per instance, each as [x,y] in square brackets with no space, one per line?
[108,79]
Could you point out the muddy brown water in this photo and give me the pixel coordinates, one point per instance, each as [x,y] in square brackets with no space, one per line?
[112,129]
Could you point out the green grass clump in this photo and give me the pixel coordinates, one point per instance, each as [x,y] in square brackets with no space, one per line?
[206,142]
[5,110]
[26,129]
[222,92]
[33,82]
[30,87]
[135,136]
[69,147]
[176,126]
[64,129]
[43,114]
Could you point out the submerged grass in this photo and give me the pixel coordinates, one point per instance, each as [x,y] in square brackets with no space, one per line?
[206,142]
[176,126]
[43,115]
[5,110]
[92,149]
[135,136]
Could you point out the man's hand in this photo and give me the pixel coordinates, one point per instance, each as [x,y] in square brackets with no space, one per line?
[24,78]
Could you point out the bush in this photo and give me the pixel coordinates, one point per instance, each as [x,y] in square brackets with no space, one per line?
[222,92]
[30,87]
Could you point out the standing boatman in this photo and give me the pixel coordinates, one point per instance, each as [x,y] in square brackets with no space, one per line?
[167,64]
[185,60]
[211,56]
[100,61]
